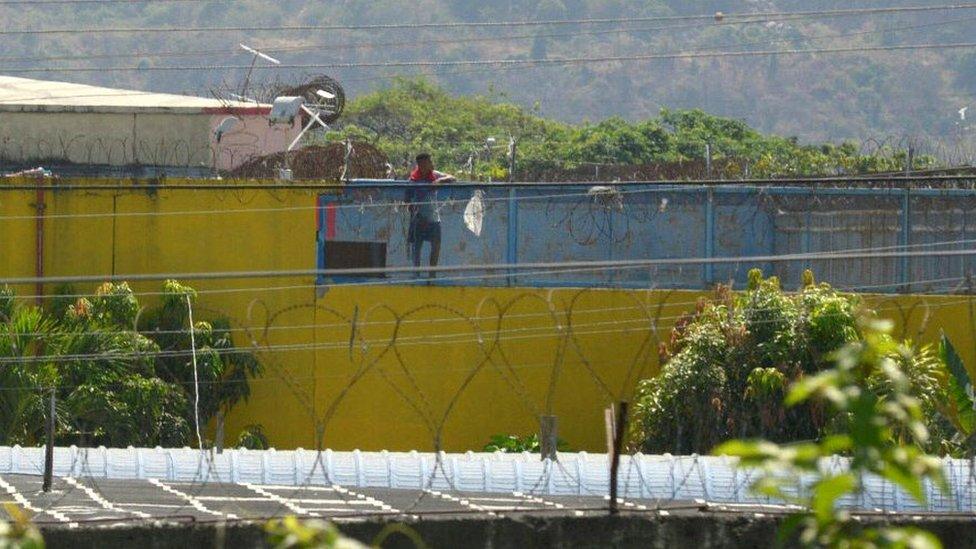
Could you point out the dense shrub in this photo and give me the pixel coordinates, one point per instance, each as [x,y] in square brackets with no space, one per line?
[728,365]
[119,378]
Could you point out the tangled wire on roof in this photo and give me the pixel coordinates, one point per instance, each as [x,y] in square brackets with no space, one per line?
[320,162]
[331,108]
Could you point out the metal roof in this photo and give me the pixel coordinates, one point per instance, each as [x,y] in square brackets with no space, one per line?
[29,95]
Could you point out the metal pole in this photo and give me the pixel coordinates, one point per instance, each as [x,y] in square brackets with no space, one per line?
[708,269]
[41,206]
[906,238]
[219,436]
[511,249]
[49,449]
[247,77]
[549,437]
[618,441]
[708,160]
[511,159]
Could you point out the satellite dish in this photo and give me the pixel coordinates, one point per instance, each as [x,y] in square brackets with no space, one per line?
[322,94]
[225,127]
[285,109]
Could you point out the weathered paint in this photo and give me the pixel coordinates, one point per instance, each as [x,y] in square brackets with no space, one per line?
[395,367]
[175,139]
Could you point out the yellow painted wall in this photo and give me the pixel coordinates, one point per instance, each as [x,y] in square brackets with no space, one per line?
[383,367]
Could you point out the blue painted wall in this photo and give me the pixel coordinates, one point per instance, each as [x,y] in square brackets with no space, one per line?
[567,223]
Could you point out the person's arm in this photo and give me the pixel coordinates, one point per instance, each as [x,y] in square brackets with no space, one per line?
[443,178]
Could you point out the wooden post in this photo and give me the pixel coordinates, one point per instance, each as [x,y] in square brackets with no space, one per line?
[618,441]
[549,437]
[219,435]
[49,449]
[609,429]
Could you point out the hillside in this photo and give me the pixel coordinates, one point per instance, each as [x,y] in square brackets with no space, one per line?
[866,97]
[472,135]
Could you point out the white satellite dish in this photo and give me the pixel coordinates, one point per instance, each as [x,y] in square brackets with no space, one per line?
[284,109]
[225,127]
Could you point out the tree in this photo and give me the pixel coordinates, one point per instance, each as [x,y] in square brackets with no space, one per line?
[726,367]
[223,370]
[868,431]
[415,115]
[114,383]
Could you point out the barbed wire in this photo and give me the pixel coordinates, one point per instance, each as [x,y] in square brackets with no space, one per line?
[441,472]
[371,342]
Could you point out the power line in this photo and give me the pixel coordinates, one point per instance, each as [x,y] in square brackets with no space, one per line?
[464,40]
[423,339]
[492,24]
[658,187]
[364,205]
[448,73]
[504,275]
[508,62]
[95,2]
[487,267]
[372,45]
[445,319]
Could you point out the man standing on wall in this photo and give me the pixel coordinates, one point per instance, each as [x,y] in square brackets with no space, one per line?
[425,219]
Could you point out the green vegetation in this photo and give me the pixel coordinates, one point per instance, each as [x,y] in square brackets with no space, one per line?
[728,366]
[291,533]
[252,437]
[516,444]
[20,533]
[120,378]
[412,115]
[816,97]
[870,428]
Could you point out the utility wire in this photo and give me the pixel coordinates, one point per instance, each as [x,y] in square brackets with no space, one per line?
[456,319]
[442,338]
[650,188]
[463,40]
[353,206]
[96,2]
[126,93]
[554,266]
[506,62]
[407,282]
[495,24]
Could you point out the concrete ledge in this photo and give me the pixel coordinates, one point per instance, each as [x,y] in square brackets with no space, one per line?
[698,531]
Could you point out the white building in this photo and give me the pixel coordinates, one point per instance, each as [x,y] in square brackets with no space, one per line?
[50,123]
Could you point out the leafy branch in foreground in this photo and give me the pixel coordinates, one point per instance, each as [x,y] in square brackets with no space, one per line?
[291,533]
[870,426]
